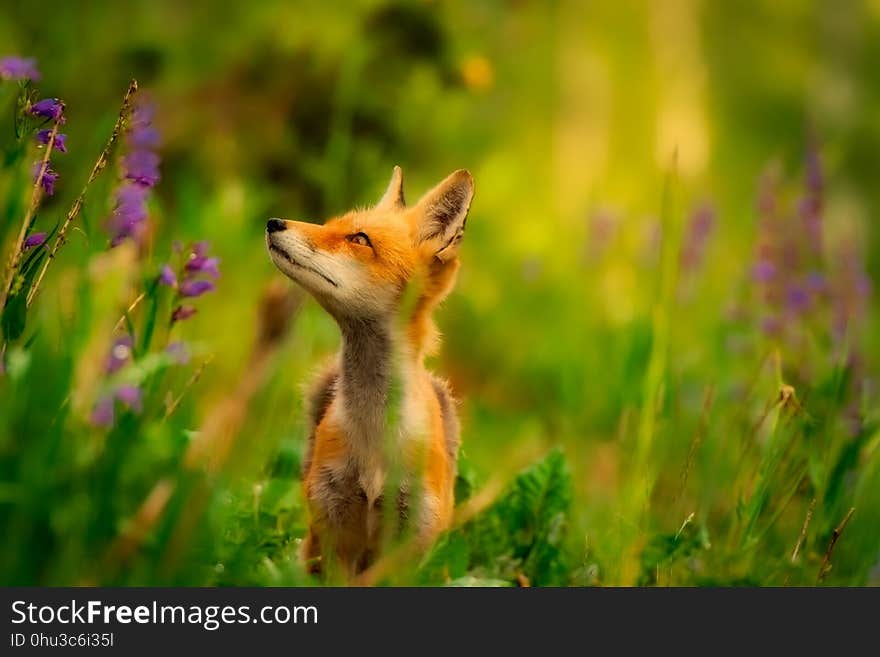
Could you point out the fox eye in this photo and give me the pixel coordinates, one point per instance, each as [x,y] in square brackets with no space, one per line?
[360,238]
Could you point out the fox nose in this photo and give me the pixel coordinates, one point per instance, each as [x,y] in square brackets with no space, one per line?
[275,225]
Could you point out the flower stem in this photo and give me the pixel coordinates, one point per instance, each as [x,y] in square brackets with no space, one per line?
[75,209]
[36,197]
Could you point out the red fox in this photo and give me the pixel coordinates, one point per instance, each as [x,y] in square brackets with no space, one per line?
[362,268]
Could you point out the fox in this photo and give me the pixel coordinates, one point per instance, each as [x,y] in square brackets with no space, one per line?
[380,273]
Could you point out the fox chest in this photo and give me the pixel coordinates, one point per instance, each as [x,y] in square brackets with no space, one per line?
[341,501]
[346,487]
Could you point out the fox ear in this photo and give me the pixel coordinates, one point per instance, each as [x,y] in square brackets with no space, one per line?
[444,212]
[393,199]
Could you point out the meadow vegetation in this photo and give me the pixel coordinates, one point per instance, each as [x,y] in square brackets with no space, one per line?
[664,335]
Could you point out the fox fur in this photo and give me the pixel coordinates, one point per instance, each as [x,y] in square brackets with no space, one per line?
[380,273]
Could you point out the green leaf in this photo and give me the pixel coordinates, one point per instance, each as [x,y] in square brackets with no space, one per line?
[15,315]
[448,559]
[663,550]
[522,532]
[129,327]
[152,310]
[465,479]
[479,582]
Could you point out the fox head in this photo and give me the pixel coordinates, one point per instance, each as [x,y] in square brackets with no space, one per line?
[358,265]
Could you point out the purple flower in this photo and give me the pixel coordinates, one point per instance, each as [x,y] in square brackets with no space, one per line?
[142,116]
[50,108]
[764,271]
[130,212]
[60,142]
[144,138]
[183,312]
[699,230]
[200,249]
[120,354]
[816,282]
[47,181]
[102,413]
[798,299]
[167,276]
[813,200]
[192,288]
[140,172]
[34,239]
[190,279]
[18,68]
[202,265]
[131,396]
[131,197]
[142,167]
[179,352]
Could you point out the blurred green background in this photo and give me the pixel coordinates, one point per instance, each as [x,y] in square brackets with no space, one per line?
[592,313]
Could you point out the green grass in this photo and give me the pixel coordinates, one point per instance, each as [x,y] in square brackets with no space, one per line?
[626,418]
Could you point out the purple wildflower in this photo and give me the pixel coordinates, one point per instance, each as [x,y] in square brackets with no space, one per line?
[183,312]
[47,181]
[49,108]
[60,142]
[142,167]
[34,239]
[179,352]
[130,200]
[167,276]
[202,265]
[763,271]
[816,282]
[139,173]
[798,299]
[142,164]
[699,230]
[144,137]
[18,68]
[120,354]
[130,212]
[102,413]
[142,116]
[131,396]
[801,289]
[812,202]
[191,278]
[200,249]
[194,288]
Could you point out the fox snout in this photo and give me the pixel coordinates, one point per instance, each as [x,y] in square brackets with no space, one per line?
[275,225]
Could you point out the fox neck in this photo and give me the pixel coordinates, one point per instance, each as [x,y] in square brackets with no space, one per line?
[368,351]
[372,378]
